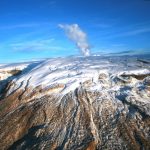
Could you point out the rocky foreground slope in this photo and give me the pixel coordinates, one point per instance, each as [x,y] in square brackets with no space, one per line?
[76,103]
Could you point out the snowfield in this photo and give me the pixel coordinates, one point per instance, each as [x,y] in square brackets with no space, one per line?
[72,71]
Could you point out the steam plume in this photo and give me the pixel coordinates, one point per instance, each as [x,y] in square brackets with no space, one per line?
[75,34]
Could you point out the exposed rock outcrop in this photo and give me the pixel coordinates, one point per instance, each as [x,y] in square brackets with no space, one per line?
[109,111]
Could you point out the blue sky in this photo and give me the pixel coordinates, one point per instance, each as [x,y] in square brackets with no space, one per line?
[29,28]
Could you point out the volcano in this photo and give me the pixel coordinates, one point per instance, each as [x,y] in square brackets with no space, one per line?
[76,103]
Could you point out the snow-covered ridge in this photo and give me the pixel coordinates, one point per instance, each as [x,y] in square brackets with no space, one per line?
[73,71]
[76,103]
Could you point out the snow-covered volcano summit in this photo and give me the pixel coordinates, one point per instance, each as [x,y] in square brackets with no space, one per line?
[75,101]
[73,71]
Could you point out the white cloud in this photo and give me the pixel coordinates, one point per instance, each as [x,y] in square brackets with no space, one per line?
[35,45]
[135,32]
[23,25]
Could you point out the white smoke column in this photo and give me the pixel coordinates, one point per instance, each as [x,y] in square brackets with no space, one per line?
[74,33]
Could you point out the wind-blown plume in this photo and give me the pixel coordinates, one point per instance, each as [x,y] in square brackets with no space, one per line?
[75,34]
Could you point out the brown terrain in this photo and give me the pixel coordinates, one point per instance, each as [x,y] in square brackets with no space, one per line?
[83,119]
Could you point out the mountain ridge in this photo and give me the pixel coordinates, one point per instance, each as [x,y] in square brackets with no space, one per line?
[76,103]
